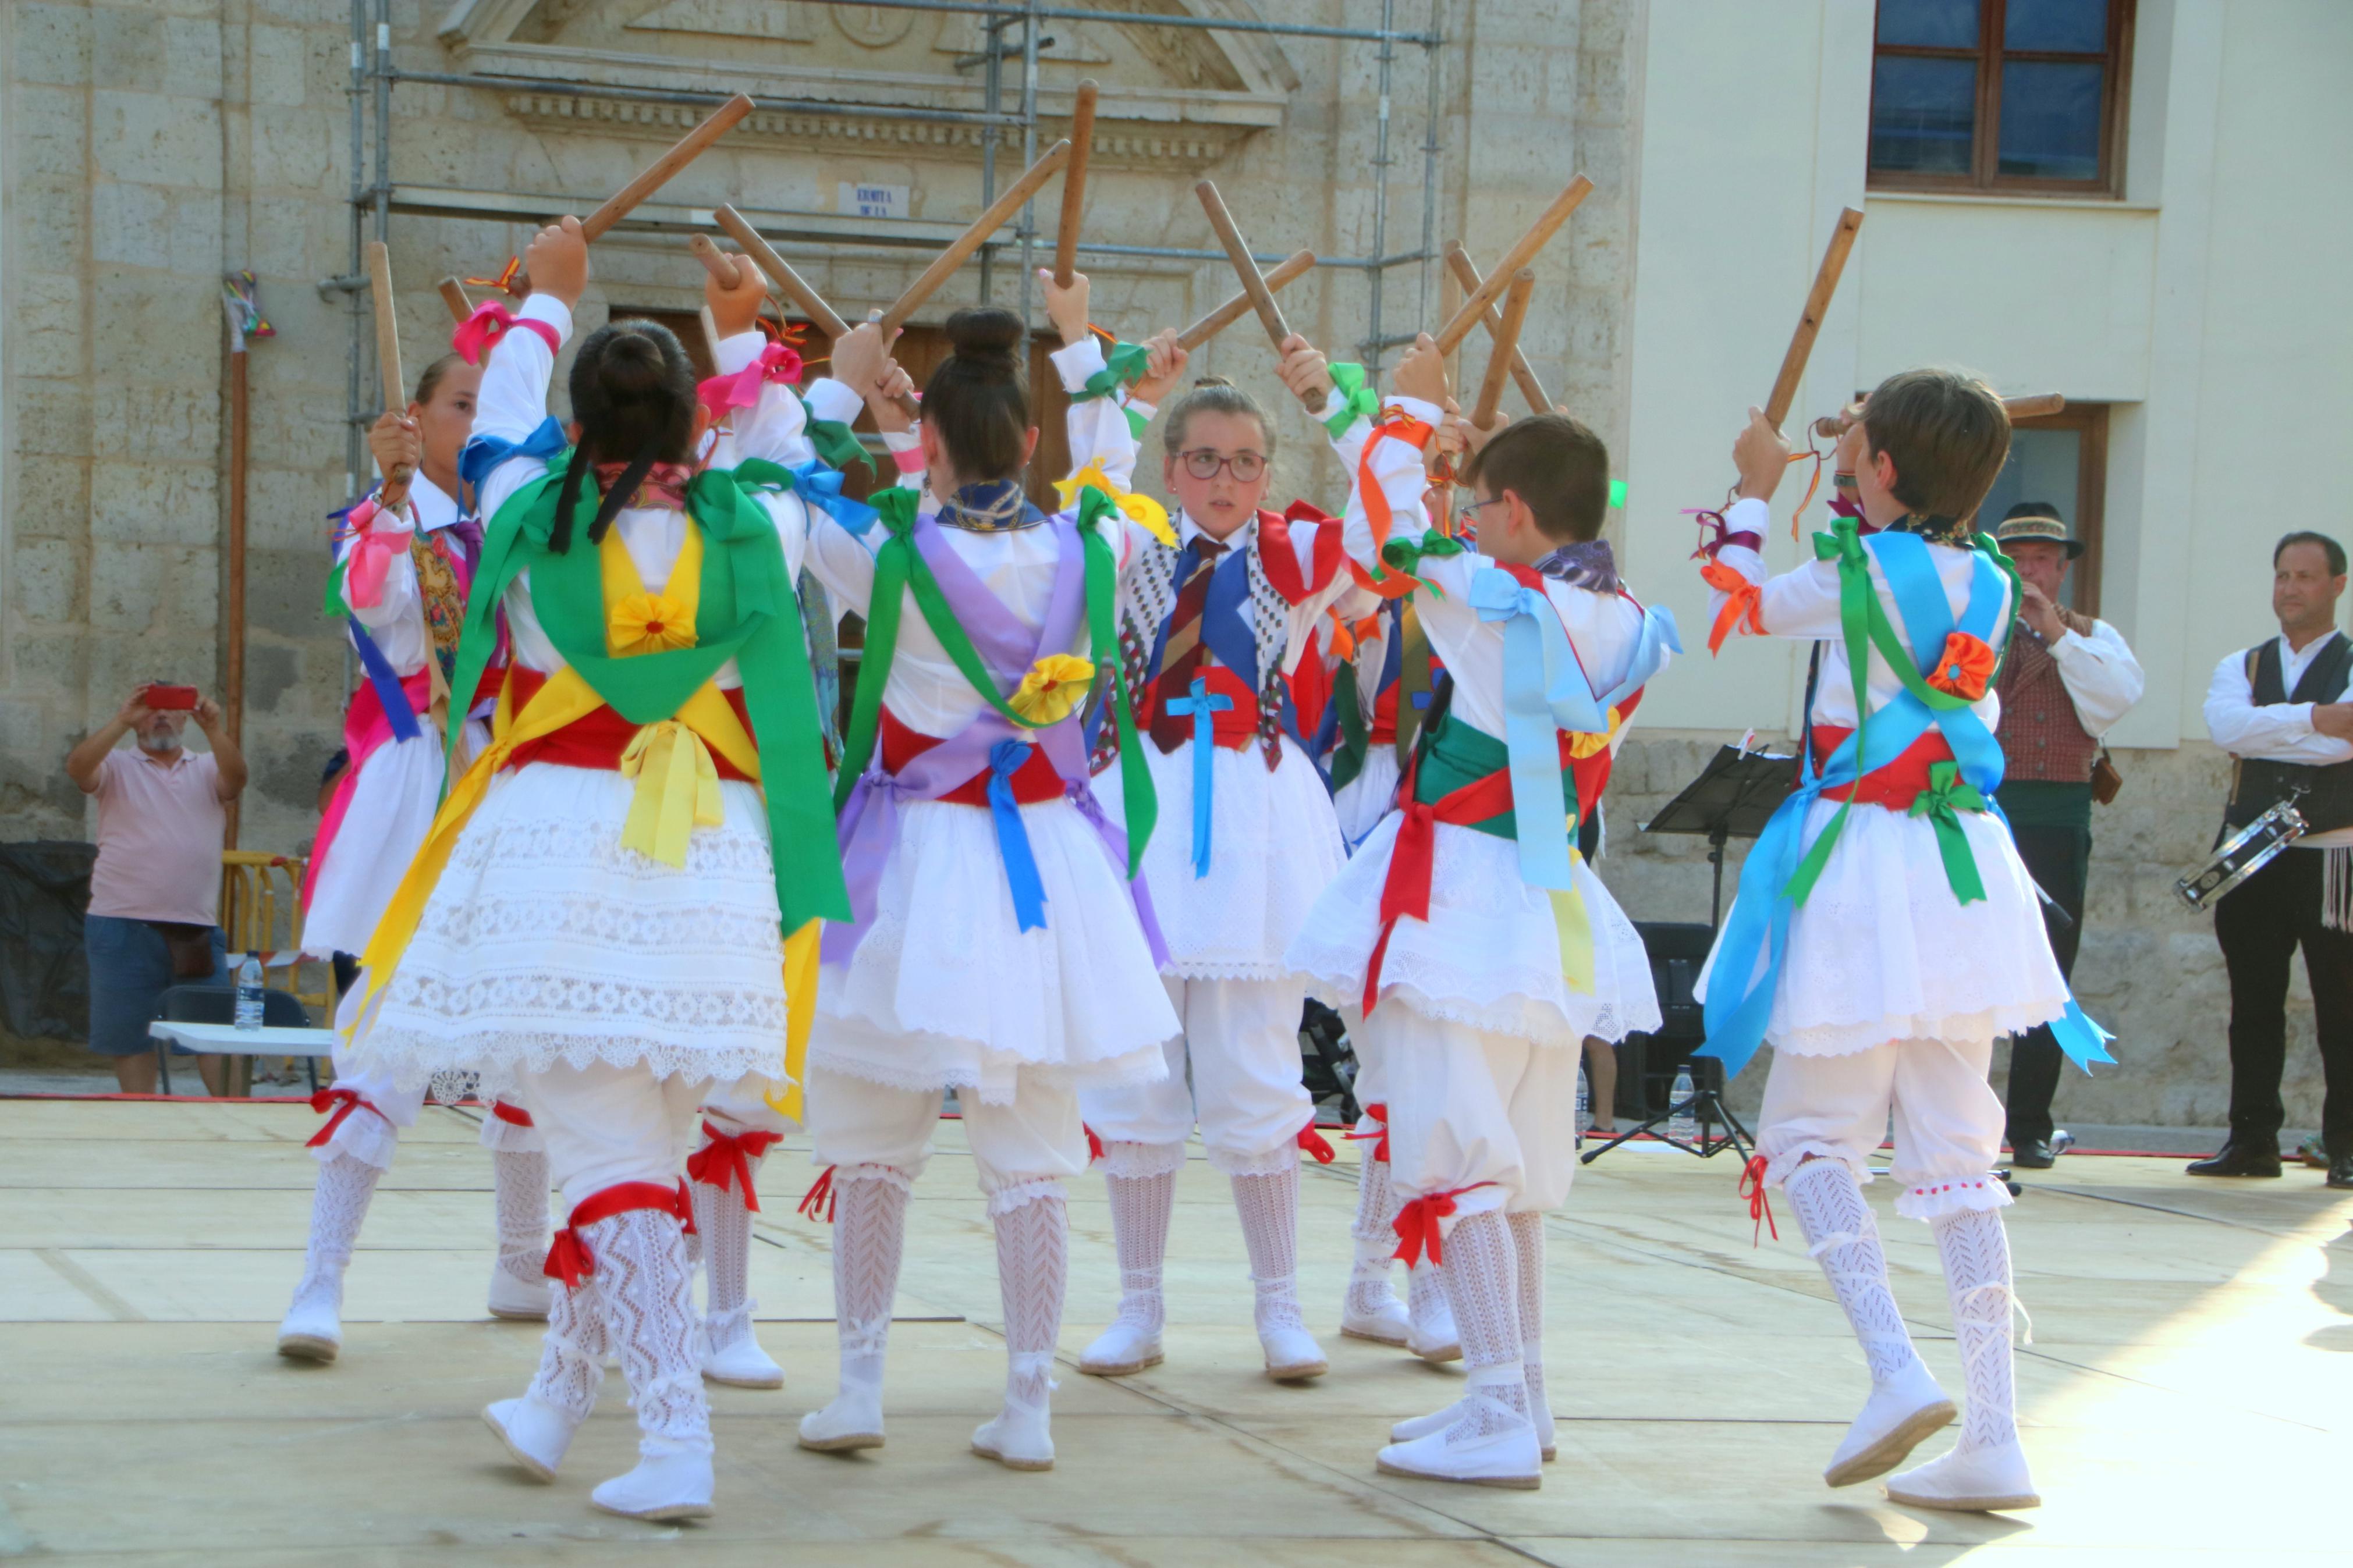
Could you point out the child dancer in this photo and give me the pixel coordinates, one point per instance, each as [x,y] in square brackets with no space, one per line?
[1483,951]
[995,946]
[1213,627]
[404,567]
[1884,931]
[596,916]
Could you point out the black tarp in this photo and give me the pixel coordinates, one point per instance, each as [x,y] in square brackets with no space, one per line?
[44,978]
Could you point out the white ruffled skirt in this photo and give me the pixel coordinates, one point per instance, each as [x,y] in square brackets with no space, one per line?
[1883,951]
[547,943]
[947,991]
[1369,796]
[1489,956]
[1275,846]
[391,810]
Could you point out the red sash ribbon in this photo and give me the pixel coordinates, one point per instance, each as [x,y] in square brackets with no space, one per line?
[1417,1227]
[1232,727]
[598,738]
[1405,890]
[727,1158]
[568,1257]
[351,1098]
[1893,786]
[1034,780]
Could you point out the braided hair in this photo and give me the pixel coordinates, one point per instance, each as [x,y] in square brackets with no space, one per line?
[633,398]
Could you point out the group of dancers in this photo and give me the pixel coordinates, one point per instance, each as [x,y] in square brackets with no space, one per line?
[1122,786]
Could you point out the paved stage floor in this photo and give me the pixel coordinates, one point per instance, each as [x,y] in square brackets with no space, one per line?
[2188,1395]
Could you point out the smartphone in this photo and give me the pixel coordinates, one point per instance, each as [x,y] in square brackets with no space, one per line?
[181,698]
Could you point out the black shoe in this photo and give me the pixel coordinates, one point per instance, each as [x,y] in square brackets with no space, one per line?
[2033,1153]
[2237,1159]
[2340,1171]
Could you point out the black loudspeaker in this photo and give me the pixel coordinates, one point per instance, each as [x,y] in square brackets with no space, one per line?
[1647,1063]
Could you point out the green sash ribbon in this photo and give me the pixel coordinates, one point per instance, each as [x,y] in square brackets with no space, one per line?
[746,613]
[1358,400]
[1941,803]
[1455,755]
[1124,365]
[835,442]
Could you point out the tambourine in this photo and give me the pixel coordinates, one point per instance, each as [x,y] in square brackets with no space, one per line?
[2246,852]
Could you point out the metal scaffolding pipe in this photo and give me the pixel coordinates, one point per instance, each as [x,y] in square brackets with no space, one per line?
[684,97]
[1136,18]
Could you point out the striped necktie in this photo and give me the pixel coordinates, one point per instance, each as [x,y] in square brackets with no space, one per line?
[1183,652]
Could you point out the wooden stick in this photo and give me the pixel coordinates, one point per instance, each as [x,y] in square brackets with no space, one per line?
[1507,340]
[721,265]
[782,281]
[1074,183]
[999,212]
[1458,326]
[786,285]
[2029,406]
[1458,261]
[453,294]
[1261,297]
[710,334]
[1299,264]
[387,358]
[658,174]
[1809,321]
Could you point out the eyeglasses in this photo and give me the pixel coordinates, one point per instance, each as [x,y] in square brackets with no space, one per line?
[1204,463]
[1469,510]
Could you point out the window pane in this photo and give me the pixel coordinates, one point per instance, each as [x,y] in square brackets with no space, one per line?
[2080,25]
[1923,114]
[2051,120]
[1939,24]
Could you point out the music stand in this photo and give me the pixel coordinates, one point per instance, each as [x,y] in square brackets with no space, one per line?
[1733,797]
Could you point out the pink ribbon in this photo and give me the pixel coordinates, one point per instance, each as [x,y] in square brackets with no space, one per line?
[779,363]
[373,546]
[490,321]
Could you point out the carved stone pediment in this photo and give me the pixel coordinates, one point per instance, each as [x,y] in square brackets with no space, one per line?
[1170,96]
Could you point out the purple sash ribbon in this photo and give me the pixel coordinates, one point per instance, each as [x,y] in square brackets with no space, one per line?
[870,819]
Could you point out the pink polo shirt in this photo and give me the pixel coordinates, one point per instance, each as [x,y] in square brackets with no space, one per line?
[161,826]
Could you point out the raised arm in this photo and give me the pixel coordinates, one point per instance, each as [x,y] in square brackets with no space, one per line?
[512,404]
[2102,677]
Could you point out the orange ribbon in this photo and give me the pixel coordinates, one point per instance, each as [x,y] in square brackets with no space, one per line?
[1964,669]
[1744,606]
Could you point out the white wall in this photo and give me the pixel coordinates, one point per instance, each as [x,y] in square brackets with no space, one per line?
[2212,309]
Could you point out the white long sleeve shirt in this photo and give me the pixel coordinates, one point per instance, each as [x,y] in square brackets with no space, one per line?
[2274,731]
[395,622]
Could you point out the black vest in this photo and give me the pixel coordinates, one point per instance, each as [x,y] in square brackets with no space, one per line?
[2256,786]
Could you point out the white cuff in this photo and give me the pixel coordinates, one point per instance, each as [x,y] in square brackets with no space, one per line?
[902,440]
[1332,404]
[1138,405]
[1749,515]
[1078,362]
[739,350]
[830,399]
[1415,408]
[547,308]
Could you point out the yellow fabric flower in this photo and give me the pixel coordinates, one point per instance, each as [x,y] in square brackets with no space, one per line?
[650,623]
[1051,688]
[1137,508]
[1581,746]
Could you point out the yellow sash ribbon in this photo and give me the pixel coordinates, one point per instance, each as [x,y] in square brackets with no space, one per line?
[677,781]
[1140,509]
[1575,928]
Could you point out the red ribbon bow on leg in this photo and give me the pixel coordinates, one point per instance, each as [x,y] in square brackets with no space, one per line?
[568,1257]
[727,1159]
[817,1204]
[1417,1227]
[1379,1111]
[1314,1143]
[1760,1201]
[350,1100]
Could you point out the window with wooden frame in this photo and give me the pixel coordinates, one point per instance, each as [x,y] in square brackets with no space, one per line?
[2059,462]
[2024,97]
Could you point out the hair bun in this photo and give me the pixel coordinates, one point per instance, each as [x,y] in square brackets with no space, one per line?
[987,333]
[1201,381]
[631,366]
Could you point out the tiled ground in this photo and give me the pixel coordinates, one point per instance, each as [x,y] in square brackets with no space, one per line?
[2188,1395]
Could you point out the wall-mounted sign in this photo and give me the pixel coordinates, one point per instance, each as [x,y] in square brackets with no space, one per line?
[871,201]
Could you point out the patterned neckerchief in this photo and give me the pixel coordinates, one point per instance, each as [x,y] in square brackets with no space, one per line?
[1586,564]
[993,506]
[664,485]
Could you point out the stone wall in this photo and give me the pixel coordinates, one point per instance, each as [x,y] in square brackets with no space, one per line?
[155,143]
[2148,969]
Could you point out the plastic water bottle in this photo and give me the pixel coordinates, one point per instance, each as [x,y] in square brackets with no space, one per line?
[1683,1125]
[248,992]
[1584,1106]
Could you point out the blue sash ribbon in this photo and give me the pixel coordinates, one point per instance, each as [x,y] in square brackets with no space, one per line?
[1005,758]
[484,454]
[819,485]
[1201,705]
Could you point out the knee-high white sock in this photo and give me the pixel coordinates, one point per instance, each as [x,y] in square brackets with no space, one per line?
[1268,1207]
[1843,1237]
[1482,1285]
[1528,1265]
[520,1182]
[869,1232]
[338,1204]
[1974,1249]
[1033,1271]
[649,1301]
[572,1356]
[1141,1208]
[724,1224]
[1369,1276]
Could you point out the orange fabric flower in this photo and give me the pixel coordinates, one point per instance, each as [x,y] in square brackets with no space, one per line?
[1742,604]
[1964,669]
